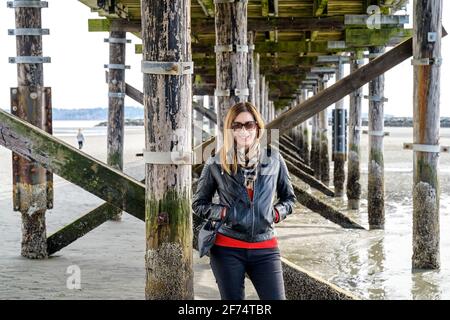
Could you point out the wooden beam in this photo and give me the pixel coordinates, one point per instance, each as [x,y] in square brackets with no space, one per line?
[328,212]
[339,90]
[319,7]
[294,168]
[208,7]
[374,37]
[73,165]
[83,225]
[206,25]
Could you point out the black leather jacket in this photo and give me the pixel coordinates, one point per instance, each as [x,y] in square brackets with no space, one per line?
[246,220]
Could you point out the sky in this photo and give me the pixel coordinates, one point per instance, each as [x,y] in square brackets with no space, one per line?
[77,76]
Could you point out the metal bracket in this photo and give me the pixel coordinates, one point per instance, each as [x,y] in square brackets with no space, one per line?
[27,4]
[426,148]
[426,62]
[29,59]
[432,36]
[241,92]
[117,40]
[231,48]
[170,68]
[116,66]
[227,92]
[28,32]
[116,94]
[222,93]
[376,133]
[175,157]
[376,98]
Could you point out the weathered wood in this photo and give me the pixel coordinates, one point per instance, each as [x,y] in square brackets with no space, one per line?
[257,76]
[80,227]
[330,95]
[266,101]
[324,158]
[328,212]
[339,143]
[116,112]
[426,190]
[375,193]
[304,285]
[342,88]
[205,25]
[28,100]
[168,119]
[315,147]
[262,83]
[251,65]
[94,176]
[305,147]
[305,177]
[231,67]
[354,140]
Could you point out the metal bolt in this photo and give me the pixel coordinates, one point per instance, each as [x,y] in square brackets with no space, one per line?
[33,95]
[14,91]
[14,108]
[114,81]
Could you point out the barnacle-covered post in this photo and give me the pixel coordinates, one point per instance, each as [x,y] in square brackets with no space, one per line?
[167,68]
[116,101]
[31,101]
[427,72]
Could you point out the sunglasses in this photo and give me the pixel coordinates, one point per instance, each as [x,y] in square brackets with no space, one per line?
[249,125]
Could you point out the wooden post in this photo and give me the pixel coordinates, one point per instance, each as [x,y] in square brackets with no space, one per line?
[305,147]
[324,158]
[298,130]
[375,194]
[315,143]
[168,107]
[210,106]
[354,139]
[257,83]
[198,122]
[266,102]
[251,65]
[426,191]
[116,102]
[262,82]
[339,140]
[28,101]
[231,58]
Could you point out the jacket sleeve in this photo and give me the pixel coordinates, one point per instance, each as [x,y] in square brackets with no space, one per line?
[202,199]
[285,192]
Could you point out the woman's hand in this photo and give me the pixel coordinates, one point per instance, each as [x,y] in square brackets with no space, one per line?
[223,213]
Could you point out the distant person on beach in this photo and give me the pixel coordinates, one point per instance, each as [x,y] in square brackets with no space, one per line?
[80,139]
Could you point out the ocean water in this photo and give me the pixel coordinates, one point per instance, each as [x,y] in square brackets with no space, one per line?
[69,128]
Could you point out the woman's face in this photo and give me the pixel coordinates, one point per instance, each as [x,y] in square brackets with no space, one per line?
[244,135]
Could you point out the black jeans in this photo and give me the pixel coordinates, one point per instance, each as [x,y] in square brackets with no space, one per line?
[263,267]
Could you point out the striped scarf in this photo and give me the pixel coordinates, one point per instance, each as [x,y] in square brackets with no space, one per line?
[248,161]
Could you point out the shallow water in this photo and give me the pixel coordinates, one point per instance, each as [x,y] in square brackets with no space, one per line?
[375,264]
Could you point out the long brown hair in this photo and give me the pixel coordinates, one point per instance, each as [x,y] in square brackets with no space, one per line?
[228,138]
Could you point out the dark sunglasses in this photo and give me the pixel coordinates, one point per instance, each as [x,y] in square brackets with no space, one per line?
[249,125]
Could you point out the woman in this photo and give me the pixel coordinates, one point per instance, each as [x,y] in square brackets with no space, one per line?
[246,177]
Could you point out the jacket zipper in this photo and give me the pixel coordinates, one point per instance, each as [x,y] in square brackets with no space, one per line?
[252,202]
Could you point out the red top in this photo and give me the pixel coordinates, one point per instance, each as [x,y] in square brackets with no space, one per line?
[224,241]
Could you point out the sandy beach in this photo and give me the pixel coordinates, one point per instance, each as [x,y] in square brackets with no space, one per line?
[371,264]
